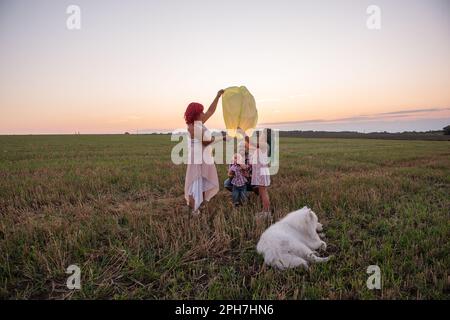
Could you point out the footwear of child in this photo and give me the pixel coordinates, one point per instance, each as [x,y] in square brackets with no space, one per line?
[195,213]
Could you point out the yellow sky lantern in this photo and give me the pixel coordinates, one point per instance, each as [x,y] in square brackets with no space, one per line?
[239,110]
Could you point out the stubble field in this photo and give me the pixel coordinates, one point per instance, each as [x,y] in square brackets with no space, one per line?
[114,206]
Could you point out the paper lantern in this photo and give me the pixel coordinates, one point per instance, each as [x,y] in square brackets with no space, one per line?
[239,110]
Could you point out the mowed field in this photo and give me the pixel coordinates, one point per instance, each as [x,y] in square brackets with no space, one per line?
[114,206]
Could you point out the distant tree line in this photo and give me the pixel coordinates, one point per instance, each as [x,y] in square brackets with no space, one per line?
[443,134]
[405,135]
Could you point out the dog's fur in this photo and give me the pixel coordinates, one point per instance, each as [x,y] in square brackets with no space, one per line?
[292,241]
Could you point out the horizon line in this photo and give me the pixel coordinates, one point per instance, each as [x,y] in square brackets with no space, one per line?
[175,130]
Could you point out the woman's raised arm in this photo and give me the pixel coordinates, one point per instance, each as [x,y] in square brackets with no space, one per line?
[213,106]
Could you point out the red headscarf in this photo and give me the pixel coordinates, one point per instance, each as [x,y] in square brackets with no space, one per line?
[193,110]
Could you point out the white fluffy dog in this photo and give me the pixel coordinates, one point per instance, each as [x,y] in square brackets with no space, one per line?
[292,241]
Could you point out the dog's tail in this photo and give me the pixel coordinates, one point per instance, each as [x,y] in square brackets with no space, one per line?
[267,251]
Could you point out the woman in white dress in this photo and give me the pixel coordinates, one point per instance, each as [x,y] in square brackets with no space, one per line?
[201,182]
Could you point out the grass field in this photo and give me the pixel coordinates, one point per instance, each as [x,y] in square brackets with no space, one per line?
[114,206]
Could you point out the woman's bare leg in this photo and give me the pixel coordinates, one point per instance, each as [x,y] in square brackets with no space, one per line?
[264,195]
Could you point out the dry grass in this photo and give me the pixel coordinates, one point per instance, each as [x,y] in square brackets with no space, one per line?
[114,206]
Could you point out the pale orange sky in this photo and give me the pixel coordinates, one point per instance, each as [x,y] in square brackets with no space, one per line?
[137,64]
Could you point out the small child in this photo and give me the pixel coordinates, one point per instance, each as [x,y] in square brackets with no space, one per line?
[238,172]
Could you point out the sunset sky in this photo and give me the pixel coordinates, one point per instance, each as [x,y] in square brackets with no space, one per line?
[311,65]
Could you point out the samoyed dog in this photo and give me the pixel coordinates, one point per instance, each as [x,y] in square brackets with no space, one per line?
[292,241]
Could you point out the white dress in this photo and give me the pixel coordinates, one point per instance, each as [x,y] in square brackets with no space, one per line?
[260,167]
[201,173]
